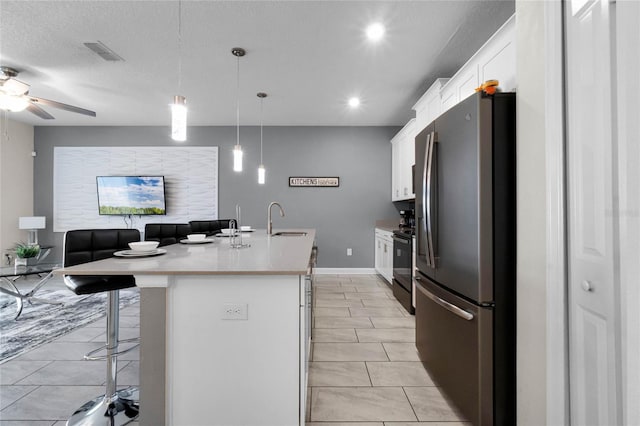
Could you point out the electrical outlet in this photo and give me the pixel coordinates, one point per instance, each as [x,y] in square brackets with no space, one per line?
[349,252]
[235,311]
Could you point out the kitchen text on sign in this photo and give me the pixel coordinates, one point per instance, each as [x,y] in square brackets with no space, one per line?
[315,181]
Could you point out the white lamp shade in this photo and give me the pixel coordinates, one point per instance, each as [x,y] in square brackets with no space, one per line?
[237,158]
[13,103]
[261,175]
[179,119]
[32,222]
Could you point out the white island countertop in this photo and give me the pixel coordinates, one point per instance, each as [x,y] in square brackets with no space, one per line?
[267,255]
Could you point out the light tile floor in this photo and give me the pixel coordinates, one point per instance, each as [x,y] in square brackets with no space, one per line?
[365,369]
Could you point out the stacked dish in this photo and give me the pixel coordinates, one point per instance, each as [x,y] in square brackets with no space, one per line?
[141,249]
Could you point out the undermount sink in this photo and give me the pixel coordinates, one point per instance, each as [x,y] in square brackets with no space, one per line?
[289,234]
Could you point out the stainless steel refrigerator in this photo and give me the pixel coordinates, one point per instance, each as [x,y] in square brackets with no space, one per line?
[466,256]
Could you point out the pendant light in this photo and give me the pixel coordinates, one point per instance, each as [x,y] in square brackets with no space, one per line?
[237,150]
[261,170]
[179,105]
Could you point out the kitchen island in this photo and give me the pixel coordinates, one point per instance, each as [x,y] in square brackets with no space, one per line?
[224,332]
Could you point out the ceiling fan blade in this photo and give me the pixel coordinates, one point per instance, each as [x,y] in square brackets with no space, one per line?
[60,105]
[35,109]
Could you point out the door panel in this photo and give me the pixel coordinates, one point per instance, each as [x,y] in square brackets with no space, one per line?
[457,158]
[593,345]
[455,341]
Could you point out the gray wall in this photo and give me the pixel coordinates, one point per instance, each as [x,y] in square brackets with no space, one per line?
[344,217]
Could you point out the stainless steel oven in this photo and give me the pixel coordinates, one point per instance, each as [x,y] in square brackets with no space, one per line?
[402,268]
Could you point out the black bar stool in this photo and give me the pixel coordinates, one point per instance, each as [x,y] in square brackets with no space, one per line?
[209,227]
[166,233]
[115,407]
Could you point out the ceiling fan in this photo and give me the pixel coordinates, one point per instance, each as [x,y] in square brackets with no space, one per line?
[14,96]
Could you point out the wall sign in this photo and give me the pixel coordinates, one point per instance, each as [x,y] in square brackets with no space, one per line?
[332,182]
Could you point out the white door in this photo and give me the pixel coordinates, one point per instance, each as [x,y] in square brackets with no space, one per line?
[593,342]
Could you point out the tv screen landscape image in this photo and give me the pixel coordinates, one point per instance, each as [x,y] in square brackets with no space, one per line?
[125,195]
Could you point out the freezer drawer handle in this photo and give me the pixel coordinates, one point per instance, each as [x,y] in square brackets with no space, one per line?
[448,306]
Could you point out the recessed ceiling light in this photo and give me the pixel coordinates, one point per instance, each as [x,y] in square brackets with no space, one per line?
[354,102]
[375,31]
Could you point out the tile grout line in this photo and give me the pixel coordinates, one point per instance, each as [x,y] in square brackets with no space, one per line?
[23,396]
[410,404]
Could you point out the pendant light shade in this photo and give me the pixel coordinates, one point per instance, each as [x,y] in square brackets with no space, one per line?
[179,105]
[261,170]
[237,158]
[238,52]
[179,119]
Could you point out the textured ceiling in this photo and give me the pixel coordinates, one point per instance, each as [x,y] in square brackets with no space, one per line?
[309,56]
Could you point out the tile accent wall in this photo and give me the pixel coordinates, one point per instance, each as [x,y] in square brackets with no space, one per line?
[191,183]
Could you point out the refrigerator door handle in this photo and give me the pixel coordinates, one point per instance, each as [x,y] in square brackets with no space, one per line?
[448,306]
[424,194]
[431,261]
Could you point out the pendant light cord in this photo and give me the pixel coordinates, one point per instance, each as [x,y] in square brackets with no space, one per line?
[179,46]
[261,102]
[238,103]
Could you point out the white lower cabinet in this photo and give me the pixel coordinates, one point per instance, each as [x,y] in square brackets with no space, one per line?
[306,300]
[384,254]
[233,372]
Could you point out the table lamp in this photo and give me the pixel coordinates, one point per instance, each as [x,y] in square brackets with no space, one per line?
[32,223]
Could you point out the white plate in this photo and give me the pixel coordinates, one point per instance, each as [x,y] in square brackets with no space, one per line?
[188,241]
[139,253]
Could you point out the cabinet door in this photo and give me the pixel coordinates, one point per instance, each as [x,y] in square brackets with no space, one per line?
[378,253]
[388,260]
[593,343]
[497,59]
[407,161]
[395,169]
[434,109]
[449,96]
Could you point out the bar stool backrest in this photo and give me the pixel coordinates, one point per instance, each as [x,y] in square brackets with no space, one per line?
[87,245]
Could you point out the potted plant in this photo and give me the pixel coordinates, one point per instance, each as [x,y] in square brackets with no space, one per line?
[26,254]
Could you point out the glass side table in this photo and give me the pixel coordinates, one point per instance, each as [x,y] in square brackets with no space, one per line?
[9,274]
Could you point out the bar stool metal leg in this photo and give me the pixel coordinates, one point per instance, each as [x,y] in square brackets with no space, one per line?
[114,408]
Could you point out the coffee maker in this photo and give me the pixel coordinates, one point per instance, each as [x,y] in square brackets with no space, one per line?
[407,219]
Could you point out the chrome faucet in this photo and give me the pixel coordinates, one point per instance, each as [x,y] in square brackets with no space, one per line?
[269,223]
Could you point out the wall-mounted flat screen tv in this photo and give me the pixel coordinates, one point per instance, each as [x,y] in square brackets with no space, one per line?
[131,195]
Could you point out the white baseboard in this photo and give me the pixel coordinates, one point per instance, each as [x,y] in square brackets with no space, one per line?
[345,271]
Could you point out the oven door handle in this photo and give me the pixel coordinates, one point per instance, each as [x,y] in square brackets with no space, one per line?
[401,240]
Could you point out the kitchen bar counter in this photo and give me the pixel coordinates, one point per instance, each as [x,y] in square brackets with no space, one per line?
[268,255]
[224,332]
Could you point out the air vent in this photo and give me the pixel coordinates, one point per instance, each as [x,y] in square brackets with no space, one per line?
[104,52]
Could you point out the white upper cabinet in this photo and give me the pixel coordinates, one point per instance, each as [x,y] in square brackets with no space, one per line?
[496,60]
[429,106]
[402,161]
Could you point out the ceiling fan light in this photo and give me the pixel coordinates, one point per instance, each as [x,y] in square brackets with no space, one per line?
[13,103]
[237,158]
[179,119]
[14,87]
